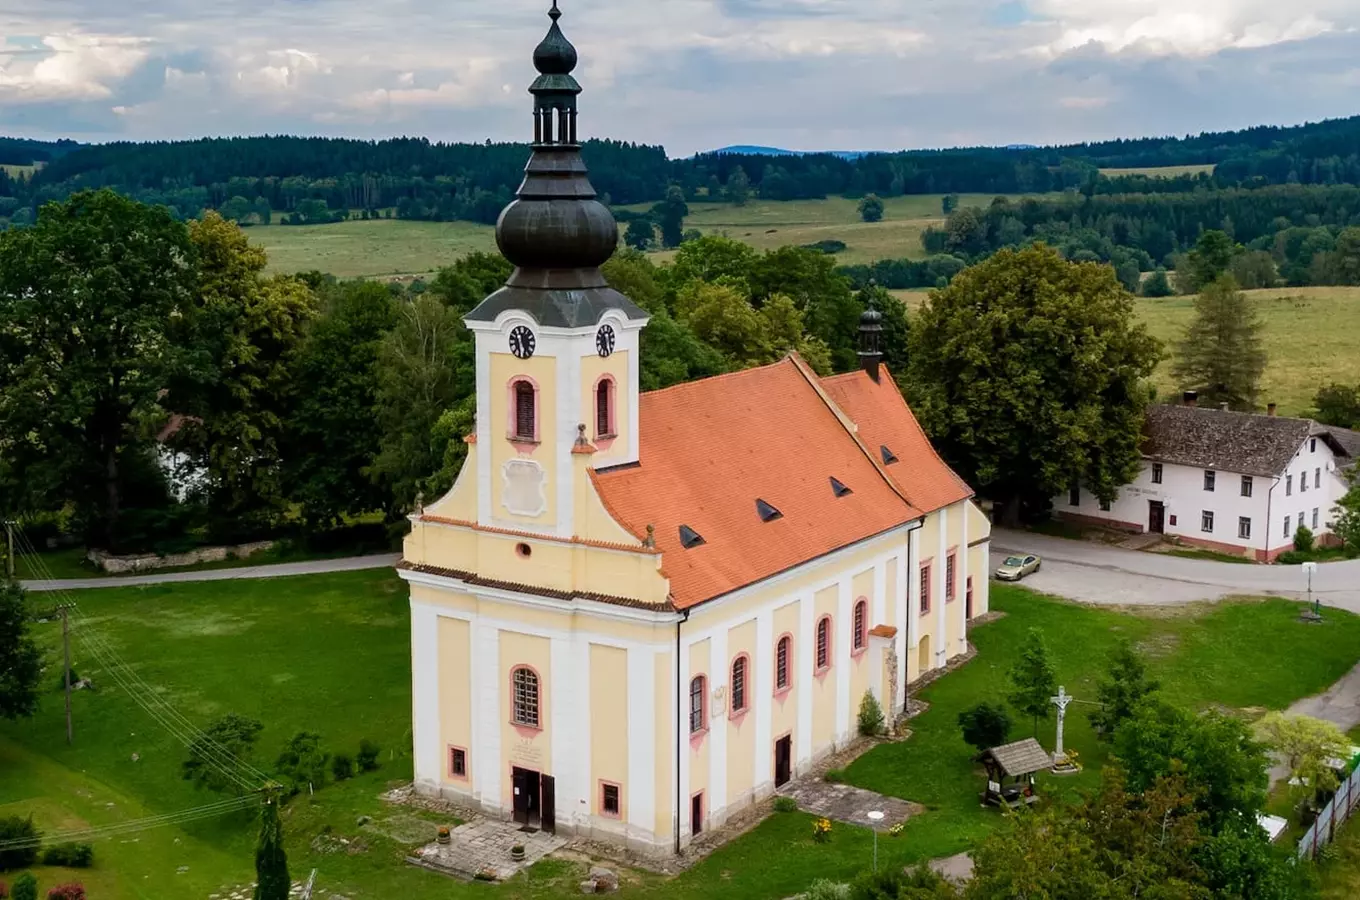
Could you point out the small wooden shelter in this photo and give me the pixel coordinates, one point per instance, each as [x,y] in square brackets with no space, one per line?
[1015,763]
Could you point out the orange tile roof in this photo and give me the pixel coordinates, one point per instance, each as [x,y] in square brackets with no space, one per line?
[710,449]
[885,420]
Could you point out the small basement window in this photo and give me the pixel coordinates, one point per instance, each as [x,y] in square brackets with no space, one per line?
[888,456]
[689,538]
[767,512]
[609,799]
[839,489]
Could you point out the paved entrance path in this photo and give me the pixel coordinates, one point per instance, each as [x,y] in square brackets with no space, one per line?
[843,803]
[1097,573]
[278,570]
[1339,704]
[484,845]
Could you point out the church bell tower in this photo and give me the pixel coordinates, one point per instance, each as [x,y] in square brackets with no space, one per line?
[557,347]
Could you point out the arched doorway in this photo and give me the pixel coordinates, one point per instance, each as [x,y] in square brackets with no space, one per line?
[923,656]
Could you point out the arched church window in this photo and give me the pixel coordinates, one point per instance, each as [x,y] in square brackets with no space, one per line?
[604,408]
[696,704]
[525,700]
[526,413]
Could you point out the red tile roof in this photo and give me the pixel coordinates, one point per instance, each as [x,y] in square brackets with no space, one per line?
[710,449]
[885,420]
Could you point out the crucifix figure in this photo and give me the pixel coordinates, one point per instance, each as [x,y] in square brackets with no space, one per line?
[1061,702]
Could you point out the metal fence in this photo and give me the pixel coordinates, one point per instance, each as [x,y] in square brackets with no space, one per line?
[1332,817]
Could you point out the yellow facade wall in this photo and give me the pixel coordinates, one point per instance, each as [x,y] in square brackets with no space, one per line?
[527,748]
[455,698]
[608,724]
[698,744]
[663,703]
[593,368]
[543,370]
[823,686]
[979,565]
[741,728]
[861,674]
[784,715]
[461,500]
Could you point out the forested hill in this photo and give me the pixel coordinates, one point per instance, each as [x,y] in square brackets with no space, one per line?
[319,179]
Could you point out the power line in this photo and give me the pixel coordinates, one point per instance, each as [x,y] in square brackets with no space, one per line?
[104,832]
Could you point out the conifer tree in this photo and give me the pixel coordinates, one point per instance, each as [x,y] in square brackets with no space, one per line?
[1221,355]
[20,659]
[1033,682]
[271,863]
[1124,687]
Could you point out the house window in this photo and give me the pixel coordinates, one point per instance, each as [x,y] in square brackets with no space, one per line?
[1247,485]
[1303,483]
[1156,473]
[1288,485]
[861,613]
[525,698]
[1315,518]
[925,589]
[457,762]
[1287,532]
[781,663]
[1244,528]
[1104,505]
[1301,519]
[696,704]
[609,799]
[823,643]
[949,577]
[604,408]
[739,684]
[1206,522]
[1209,477]
[1317,477]
[526,419]
[1312,445]
[1074,495]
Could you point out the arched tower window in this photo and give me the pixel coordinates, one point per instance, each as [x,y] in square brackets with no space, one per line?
[604,408]
[861,614]
[525,424]
[739,695]
[697,689]
[823,643]
[782,653]
[525,699]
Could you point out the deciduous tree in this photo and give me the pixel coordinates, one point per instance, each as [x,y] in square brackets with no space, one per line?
[226,742]
[985,726]
[640,234]
[1158,284]
[1221,355]
[1308,746]
[1029,371]
[1033,681]
[871,208]
[1209,260]
[20,659]
[669,215]
[738,186]
[1124,687]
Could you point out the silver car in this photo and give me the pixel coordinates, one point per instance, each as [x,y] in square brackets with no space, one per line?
[1016,567]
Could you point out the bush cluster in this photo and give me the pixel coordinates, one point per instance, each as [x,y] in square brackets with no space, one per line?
[14,828]
[70,856]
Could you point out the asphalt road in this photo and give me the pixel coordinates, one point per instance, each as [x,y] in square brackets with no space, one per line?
[278,570]
[1097,573]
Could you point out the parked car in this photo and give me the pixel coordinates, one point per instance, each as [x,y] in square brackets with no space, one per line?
[1016,567]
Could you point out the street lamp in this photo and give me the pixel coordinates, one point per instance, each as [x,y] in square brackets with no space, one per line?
[875,817]
[1310,568]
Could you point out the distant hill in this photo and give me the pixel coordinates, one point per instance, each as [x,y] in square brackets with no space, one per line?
[25,152]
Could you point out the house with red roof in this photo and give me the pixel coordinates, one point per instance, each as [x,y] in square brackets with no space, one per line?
[635,614]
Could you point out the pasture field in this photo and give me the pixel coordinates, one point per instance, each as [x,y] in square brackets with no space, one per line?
[1161,171]
[330,654]
[370,249]
[20,170]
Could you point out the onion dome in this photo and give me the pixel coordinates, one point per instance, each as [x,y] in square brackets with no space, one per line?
[555,55]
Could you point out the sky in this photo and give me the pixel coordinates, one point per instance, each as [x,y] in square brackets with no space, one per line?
[689,74]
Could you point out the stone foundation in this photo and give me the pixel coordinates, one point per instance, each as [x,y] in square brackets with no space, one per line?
[149,562]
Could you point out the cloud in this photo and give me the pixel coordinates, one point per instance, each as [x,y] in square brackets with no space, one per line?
[689,74]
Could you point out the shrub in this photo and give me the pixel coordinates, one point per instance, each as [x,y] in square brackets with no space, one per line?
[342,767]
[829,247]
[1303,540]
[72,891]
[785,804]
[367,758]
[822,889]
[821,830]
[71,856]
[834,776]
[26,887]
[13,828]
[870,715]
[985,726]
[302,764]
[61,680]
[1291,558]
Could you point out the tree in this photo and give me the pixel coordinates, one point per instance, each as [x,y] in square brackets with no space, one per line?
[738,186]
[302,764]
[332,436]
[1254,269]
[669,215]
[724,319]
[632,274]
[17,828]
[1217,755]
[640,234]
[715,259]
[920,882]
[1308,746]
[1339,405]
[249,330]
[949,203]
[831,310]
[418,379]
[1346,525]
[1033,681]
[1124,687]
[985,726]
[1221,355]
[20,659]
[271,862]
[966,232]
[1209,260]
[1029,370]
[1036,854]
[870,715]
[1158,284]
[871,208]
[225,742]
[88,296]
[671,353]
[25,887]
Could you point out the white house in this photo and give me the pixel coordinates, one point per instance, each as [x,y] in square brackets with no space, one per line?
[1235,482]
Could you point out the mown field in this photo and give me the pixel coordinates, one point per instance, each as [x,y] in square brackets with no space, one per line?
[330,654]
[371,249]
[20,170]
[1161,171]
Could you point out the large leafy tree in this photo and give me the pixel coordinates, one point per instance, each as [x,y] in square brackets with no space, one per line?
[250,329]
[1029,371]
[20,659]
[1208,261]
[1308,746]
[88,298]
[830,308]
[1125,685]
[1221,355]
[670,214]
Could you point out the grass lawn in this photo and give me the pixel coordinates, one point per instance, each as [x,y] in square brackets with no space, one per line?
[374,248]
[1211,555]
[329,653]
[1161,171]
[1245,657]
[71,562]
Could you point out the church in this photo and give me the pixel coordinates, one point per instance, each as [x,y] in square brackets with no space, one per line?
[635,615]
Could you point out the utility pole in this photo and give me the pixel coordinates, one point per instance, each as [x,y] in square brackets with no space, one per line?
[66,670]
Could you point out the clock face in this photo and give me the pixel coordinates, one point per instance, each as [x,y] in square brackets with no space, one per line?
[604,341]
[522,342]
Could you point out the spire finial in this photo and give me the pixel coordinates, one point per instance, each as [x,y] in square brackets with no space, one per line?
[555,13]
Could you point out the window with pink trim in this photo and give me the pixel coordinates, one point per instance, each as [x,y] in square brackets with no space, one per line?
[740,665]
[861,625]
[783,651]
[925,589]
[823,643]
[949,579]
[604,408]
[697,690]
[524,425]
